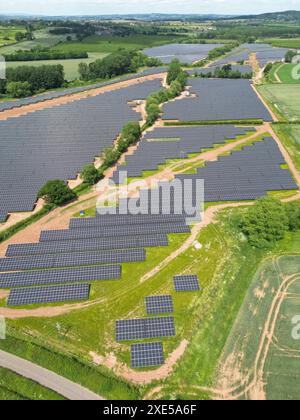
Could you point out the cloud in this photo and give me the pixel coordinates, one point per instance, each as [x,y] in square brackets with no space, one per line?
[90,7]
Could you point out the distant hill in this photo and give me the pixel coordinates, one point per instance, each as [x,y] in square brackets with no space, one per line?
[287,16]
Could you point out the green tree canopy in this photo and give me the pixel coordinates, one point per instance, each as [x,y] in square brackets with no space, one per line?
[265,223]
[89,174]
[56,192]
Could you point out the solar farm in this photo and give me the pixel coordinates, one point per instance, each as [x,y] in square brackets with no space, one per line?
[145,289]
[186,53]
[218,100]
[57,142]
[264,53]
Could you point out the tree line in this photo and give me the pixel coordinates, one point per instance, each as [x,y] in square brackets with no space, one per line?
[268,221]
[225,72]
[116,64]
[44,53]
[24,81]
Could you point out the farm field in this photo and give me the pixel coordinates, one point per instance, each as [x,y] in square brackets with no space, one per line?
[290,137]
[285,99]
[284,43]
[287,73]
[7,34]
[15,387]
[42,39]
[70,66]
[108,44]
[271,303]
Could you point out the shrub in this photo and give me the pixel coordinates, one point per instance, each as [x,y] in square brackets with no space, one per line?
[90,175]
[293,214]
[18,89]
[56,192]
[174,71]
[265,223]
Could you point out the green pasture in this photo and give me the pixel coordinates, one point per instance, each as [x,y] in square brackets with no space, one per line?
[284,99]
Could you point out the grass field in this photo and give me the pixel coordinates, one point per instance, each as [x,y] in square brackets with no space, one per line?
[15,387]
[284,43]
[290,137]
[287,73]
[7,34]
[42,38]
[226,266]
[70,66]
[269,341]
[106,45]
[284,99]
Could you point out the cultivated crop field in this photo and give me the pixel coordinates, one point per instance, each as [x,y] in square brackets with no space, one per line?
[109,44]
[286,73]
[42,39]
[290,137]
[285,99]
[284,43]
[261,357]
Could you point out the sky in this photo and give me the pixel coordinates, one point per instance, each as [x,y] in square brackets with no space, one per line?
[99,7]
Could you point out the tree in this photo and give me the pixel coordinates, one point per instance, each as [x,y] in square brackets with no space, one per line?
[90,174]
[2,86]
[265,223]
[110,156]
[293,214]
[174,71]
[56,192]
[290,55]
[83,70]
[18,89]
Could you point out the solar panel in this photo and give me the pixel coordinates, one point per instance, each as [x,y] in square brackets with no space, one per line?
[60,276]
[147,355]
[28,296]
[144,328]
[72,260]
[156,305]
[186,283]
[110,231]
[96,244]
[126,219]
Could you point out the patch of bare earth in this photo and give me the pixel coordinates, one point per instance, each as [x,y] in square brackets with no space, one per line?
[141,378]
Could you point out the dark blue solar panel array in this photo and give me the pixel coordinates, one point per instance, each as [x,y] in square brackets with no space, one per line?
[186,53]
[243,69]
[265,53]
[145,328]
[27,296]
[58,94]
[174,143]
[127,219]
[147,355]
[56,143]
[72,260]
[109,231]
[245,175]
[218,99]
[60,276]
[94,244]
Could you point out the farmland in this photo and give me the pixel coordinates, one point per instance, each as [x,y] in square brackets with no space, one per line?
[284,43]
[290,136]
[70,65]
[284,98]
[107,45]
[271,304]
[7,34]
